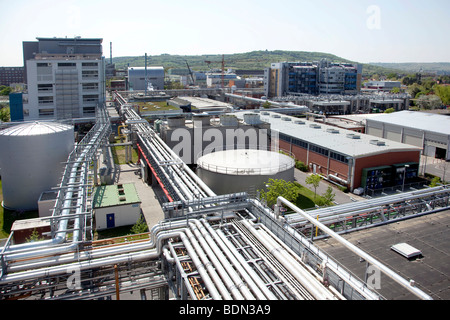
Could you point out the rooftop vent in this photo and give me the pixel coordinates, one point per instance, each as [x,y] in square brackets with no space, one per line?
[353,136]
[406,250]
[314,126]
[276,116]
[331,130]
[122,198]
[299,122]
[377,142]
[286,119]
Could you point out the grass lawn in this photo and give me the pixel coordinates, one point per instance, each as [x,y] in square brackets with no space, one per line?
[306,199]
[7,217]
[119,154]
[154,106]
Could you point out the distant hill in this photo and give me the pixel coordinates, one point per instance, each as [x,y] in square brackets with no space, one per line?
[440,68]
[255,60]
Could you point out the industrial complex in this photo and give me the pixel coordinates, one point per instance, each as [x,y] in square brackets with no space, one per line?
[193,171]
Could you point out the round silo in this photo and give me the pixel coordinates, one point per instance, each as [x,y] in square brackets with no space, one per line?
[32,161]
[243,170]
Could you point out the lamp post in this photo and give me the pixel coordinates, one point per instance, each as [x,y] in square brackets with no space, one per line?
[404,175]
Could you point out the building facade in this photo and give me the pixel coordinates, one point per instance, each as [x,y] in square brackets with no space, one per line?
[11,75]
[137,81]
[313,78]
[65,78]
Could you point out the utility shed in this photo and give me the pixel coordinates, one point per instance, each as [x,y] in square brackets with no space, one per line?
[23,229]
[116,206]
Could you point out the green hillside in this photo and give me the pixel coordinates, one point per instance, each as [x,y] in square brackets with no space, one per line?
[440,68]
[255,60]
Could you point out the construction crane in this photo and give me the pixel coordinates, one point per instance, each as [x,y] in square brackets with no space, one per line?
[190,72]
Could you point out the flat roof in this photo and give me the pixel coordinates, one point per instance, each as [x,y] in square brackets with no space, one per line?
[115,195]
[428,233]
[205,103]
[416,120]
[330,137]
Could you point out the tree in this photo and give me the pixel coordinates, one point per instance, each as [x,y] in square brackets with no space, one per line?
[279,187]
[34,237]
[429,102]
[443,92]
[5,114]
[140,226]
[395,90]
[389,110]
[266,105]
[329,196]
[314,180]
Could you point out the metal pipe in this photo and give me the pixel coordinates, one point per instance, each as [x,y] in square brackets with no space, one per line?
[225,269]
[391,274]
[258,287]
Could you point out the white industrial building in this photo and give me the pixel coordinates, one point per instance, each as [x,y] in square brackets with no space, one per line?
[137,78]
[65,78]
[116,206]
[429,131]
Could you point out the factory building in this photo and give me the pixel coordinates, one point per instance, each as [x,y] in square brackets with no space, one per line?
[190,139]
[137,78]
[65,79]
[324,77]
[11,75]
[428,131]
[343,156]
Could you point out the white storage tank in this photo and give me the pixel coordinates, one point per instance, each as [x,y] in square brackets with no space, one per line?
[243,170]
[32,161]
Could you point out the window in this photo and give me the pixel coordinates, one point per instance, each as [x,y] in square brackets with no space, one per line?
[89,74]
[67,64]
[90,64]
[45,87]
[90,98]
[90,86]
[45,100]
[43,64]
[89,110]
[46,112]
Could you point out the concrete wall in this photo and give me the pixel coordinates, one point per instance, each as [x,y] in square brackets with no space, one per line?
[123,215]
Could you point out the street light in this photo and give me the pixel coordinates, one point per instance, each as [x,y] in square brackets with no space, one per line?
[404,175]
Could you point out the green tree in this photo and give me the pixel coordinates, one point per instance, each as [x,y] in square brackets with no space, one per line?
[140,226]
[34,236]
[266,105]
[4,90]
[314,180]
[428,102]
[395,90]
[5,115]
[329,196]
[389,110]
[279,187]
[443,92]
[435,182]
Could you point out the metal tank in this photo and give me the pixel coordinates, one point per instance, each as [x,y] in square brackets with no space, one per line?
[243,170]
[32,161]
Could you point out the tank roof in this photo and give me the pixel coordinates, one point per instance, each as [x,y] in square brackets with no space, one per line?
[246,162]
[35,128]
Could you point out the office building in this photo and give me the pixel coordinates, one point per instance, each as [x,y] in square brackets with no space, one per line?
[314,78]
[65,78]
[11,75]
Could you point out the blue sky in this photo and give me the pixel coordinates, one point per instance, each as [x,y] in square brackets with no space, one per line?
[359,30]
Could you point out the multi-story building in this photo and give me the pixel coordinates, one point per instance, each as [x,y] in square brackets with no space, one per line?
[137,78]
[324,77]
[65,79]
[10,75]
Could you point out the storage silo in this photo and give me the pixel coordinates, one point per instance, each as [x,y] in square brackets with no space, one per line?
[32,161]
[243,170]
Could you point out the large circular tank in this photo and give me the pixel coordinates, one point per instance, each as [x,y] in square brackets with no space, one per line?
[31,161]
[243,170]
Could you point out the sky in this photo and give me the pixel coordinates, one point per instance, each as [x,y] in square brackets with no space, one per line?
[358,30]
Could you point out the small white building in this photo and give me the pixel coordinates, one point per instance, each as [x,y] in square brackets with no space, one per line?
[116,206]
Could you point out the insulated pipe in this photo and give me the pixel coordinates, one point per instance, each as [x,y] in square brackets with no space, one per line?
[182,273]
[304,277]
[230,277]
[205,269]
[258,287]
[394,276]
[220,276]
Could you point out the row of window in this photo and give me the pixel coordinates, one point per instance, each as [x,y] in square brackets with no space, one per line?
[314,148]
[67,64]
[46,87]
[49,99]
[51,112]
